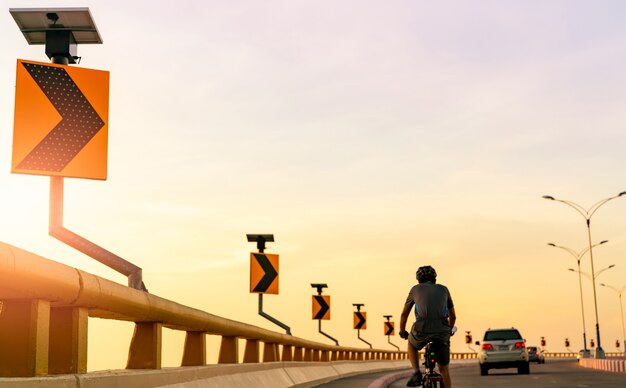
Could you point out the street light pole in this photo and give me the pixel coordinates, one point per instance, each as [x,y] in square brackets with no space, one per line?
[587,214]
[619,294]
[592,278]
[578,256]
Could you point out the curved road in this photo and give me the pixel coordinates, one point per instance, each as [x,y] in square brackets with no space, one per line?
[553,374]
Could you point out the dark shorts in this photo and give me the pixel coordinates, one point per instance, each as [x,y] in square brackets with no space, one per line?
[441,344]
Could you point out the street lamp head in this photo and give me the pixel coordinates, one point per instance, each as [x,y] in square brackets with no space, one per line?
[603,242]
[571,269]
[611,266]
[602,284]
[552,198]
[552,244]
[622,193]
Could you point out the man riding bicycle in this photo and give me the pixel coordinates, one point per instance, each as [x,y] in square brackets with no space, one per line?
[434,319]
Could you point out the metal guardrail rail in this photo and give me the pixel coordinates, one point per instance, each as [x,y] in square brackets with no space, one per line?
[46,305]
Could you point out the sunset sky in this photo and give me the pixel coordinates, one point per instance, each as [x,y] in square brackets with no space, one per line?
[370,137]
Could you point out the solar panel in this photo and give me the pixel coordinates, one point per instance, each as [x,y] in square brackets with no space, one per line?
[35,22]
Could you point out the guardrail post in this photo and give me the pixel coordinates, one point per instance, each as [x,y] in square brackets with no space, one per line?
[194,353]
[270,352]
[229,351]
[334,355]
[145,347]
[251,352]
[67,352]
[298,353]
[287,353]
[308,354]
[325,355]
[24,334]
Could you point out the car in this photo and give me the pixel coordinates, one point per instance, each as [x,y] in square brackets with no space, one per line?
[535,355]
[583,353]
[503,348]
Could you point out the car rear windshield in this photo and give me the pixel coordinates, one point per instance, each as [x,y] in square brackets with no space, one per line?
[495,335]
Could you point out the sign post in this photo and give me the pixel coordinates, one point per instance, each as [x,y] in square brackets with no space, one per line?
[321,308]
[61,118]
[264,274]
[360,321]
[389,329]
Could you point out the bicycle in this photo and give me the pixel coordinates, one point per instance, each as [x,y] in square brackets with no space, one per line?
[432,379]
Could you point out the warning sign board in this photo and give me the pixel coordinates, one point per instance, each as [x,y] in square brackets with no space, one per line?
[321,307]
[360,320]
[60,123]
[263,273]
[389,328]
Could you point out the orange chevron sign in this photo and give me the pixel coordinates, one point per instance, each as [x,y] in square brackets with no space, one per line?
[389,328]
[360,320]
[61,119]
[263,273]
[321,307]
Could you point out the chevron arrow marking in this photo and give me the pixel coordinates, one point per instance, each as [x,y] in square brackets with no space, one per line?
[79,120]
[361,317]
[323,307]
[389,328]
[270,274]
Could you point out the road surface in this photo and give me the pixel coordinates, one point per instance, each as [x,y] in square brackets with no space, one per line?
[553,374]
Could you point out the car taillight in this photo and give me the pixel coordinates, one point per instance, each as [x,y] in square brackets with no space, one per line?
[520,345]
[487,347]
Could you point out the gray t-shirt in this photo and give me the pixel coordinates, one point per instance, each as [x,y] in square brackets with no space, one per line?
[432,303]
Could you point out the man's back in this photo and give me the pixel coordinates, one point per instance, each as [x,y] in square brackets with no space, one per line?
[432,304]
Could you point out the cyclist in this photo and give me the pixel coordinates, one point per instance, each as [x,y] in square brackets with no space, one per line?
[434,319]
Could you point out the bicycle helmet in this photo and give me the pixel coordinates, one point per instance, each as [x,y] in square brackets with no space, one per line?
[426,273]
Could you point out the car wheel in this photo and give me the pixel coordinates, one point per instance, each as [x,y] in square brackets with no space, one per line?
[484,371]
[523,369]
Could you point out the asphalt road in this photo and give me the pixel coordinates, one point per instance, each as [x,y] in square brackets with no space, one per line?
[553,374]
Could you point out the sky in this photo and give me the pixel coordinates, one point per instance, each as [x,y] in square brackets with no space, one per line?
[369,137]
